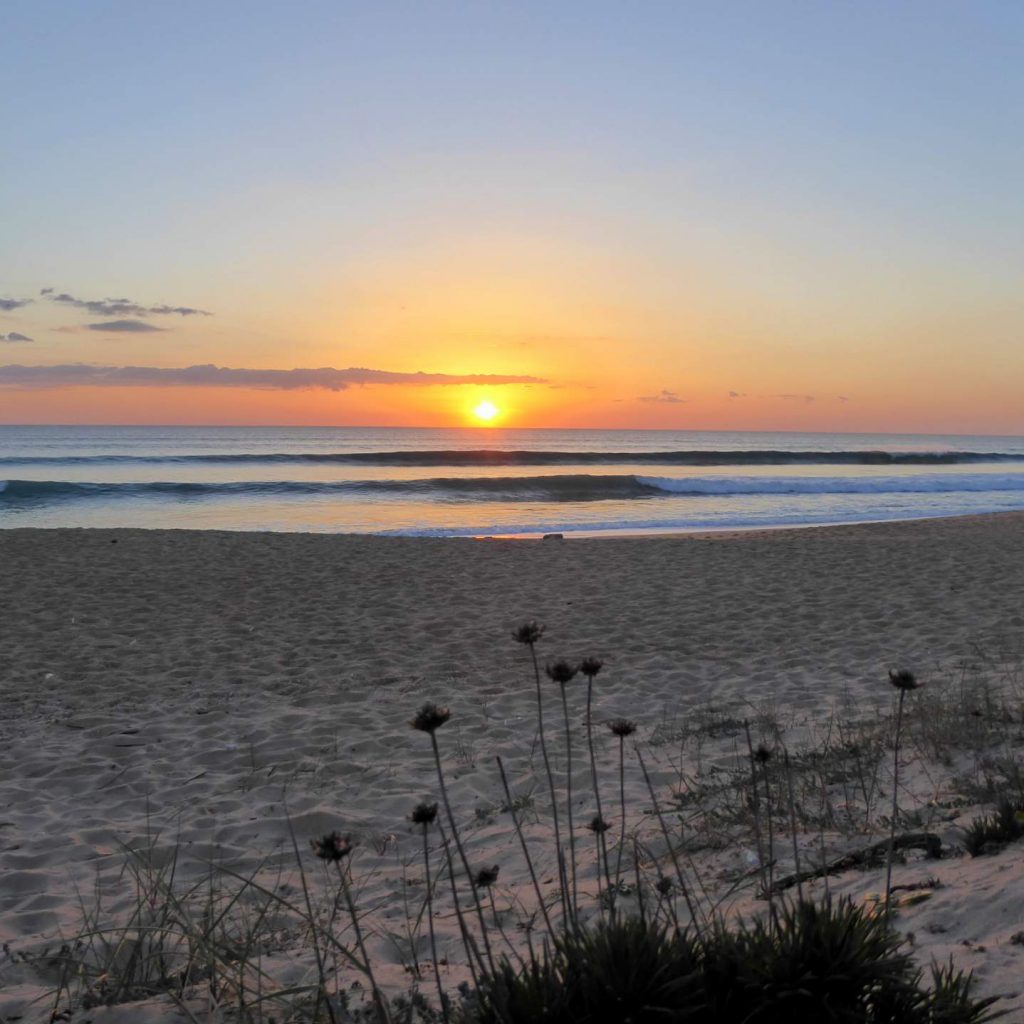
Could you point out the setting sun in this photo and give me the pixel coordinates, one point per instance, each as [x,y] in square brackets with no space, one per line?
[485,412]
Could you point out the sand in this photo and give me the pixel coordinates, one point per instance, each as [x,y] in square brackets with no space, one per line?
[202,690]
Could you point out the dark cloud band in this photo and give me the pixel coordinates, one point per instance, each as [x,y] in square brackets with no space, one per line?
[15,376]
[124,327]
[121,307]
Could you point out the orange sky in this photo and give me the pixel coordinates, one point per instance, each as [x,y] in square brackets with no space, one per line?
[691,357]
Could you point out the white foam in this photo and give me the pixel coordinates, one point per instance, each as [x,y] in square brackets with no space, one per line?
[925,483]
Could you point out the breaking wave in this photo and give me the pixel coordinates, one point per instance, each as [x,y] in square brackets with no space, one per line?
[554,488]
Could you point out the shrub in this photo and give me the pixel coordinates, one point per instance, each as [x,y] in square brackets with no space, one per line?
[622,969]
[817,962]
[992,832]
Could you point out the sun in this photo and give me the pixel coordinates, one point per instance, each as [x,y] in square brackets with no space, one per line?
[485,411]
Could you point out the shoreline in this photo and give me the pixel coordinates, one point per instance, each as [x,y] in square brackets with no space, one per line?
[672,531]
[625,533]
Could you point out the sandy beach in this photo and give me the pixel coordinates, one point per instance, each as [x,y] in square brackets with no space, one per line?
[201,690]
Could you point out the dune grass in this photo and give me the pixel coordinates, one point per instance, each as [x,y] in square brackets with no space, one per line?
[647,938]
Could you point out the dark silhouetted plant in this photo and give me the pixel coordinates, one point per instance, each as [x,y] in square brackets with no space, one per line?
[992,832]
[562,672]
[590,667]
[620,970]
[425,815]
[951,1000]
[680,875]
[429,719]
[529,633]
[336,849]
[522,843]
[759,759]
[792,825]
[621,728]
[904,682]
[830,962]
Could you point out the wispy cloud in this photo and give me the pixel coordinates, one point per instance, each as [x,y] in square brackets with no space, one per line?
[8,305]
[327,377]
[121,307]
[124,327]
[666,396]
[790,397]
[14,336]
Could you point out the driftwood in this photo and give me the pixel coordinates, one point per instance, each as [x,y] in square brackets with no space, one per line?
[874,854]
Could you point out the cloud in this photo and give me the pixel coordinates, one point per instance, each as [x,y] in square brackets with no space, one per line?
[14,336]
[124,327]
[15,376]
[806,399]
[666,396]
[737,394]
[843,398]
[121,307]
[8,305]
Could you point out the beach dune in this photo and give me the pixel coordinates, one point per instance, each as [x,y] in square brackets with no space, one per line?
[213,691]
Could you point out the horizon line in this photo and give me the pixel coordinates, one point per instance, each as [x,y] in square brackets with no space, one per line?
[495,429]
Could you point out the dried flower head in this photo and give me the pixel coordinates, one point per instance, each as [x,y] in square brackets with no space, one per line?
[486,877]
[664,885]
[430,718]
[423,814]
[903,679]
[598,825]
[561,671]
[528,633]
[333,846]
[622,727]
[762,755]
[591,666]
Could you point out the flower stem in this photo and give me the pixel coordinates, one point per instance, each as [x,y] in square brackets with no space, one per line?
[755,796]
[568,801]
[622,814]
[683,886]
[462,852]
[526,851]
[551,787]
[378,998]
[602,843]
[430,921]
[472,953]
[895,808]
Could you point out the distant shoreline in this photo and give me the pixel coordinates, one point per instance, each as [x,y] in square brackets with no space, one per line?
[626,533]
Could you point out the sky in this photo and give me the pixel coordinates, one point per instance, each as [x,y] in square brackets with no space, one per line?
[725,215]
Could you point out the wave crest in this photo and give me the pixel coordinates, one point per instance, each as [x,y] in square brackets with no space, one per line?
[554,488]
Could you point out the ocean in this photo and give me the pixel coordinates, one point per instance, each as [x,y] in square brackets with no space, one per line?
[486,481]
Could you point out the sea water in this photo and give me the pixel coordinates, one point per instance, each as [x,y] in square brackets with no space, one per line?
[487,481]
